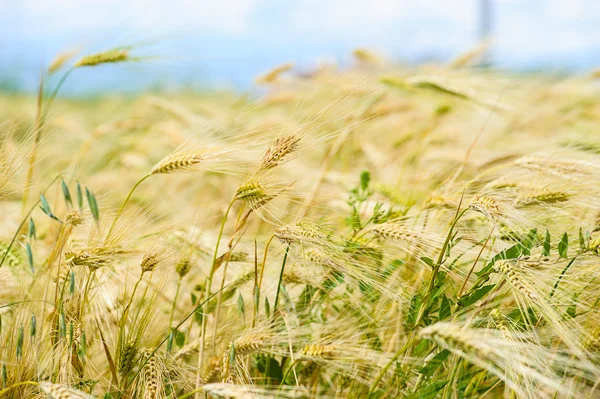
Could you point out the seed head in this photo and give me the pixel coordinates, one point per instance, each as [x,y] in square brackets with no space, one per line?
[183,267]
[515,278]
[594,246]
[450,335]
[394,231]
[105,57]
[149,262]
[283,147]
[253,193]
[74,218]
[176,163]
[543,196]
[273,74]
[151,375]
[60,60]
[320,351]
[126,357]
[250,344]
[59,391]
[301,232]
[486,205]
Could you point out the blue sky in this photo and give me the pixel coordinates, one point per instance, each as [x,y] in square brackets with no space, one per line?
[227,42]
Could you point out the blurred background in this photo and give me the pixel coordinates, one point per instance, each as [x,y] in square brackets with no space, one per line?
[226,43]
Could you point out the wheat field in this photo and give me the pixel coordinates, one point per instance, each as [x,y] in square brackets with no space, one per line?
[375,231]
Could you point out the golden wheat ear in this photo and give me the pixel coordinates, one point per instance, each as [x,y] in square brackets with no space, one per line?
[176,162]
[59,391]
[105,57]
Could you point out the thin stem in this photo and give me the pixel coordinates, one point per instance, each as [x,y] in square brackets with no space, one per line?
[219,298]
[18,384]
[112,226]
[287,249]
[287,373]
[40,117]
[207,289]
[126,311]
[36,141]
[562,273]
[174,303]
[464,284]
[436,267]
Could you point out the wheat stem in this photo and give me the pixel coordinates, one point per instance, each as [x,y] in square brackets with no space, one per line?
[207,289]
[36,141]
[436,267]
[174,303]
[287,249]
[114,222]
[18,384]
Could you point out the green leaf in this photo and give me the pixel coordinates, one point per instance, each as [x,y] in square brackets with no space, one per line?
[546,248]
[428,261]
[198,314]
[353,221]
[287,299]
[72,282]
[170,341]
[62,326]
[429,391]
[445,308]
[529,241]
[20,338]
[333,280]
[241,306]
[267,308]
[66,194]
[304,300]
[582,244]
[30,258]
[391,268]
[365,179]
[563,246]
[433,364]
[475,295]
[179,338]
[512,252]
[415,304]
[271,368]
[572,310]
[31,231]
[83,347]
[79,197]
[93,204]
[232,354]
[256,298]
[421,347]
[33,326]
[369,292]
[45,207]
